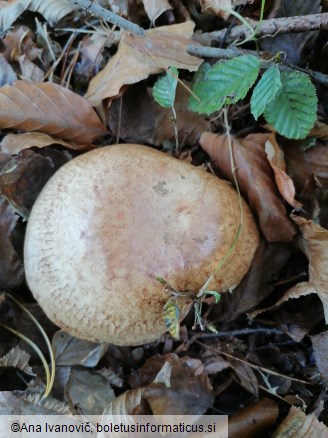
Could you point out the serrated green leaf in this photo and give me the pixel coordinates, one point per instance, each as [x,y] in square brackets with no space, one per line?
[265,91]
[165,88]
[226,82]
[216,294]
[171,315]
[293,111]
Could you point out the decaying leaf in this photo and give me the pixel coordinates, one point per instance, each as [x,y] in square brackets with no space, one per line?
[13,144]
[155,9]
[52,10]
[23,177]
[72,351]
[222,8]
[17,358]
[30,404]
[255,178]
[245,376]
[49,108]
[299,425]
[138,57]
[320,350]
[299,290]
[314,243]
[145,122]
[88,390]
[11,269]
[254,419]
[7,74]
[180,391]
[277,161]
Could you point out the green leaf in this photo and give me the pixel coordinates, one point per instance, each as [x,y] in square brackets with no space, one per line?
[165,88]
[171,315]
[216,294]
[226,82]
[293,111]
[265,91]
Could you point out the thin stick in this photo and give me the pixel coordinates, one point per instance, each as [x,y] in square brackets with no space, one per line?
[302,23]
[107,15]
[255,367]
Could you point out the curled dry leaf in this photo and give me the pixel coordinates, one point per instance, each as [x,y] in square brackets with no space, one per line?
[255,178]
[138,57]
[277,161]
[11,268]
[19,41]
[52,10]
[181,392]
[299,425]
[13,144]
[49,108]
[222,8]
[314,243]
[155,9]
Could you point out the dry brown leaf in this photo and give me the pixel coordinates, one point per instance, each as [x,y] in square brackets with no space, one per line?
[222,8]
[29,70]
[49,108]
[7,74]
[20,41]
[284,182]
[303,164]
[299,290]
[138,57]
[299,425]
[155,9]
[13,144]
[11,268]
[245,376]
[314,243]
[142,120]
[254,420]
[23,177]
[91,55]
[320,130]
[255,178]
[184,392]
[320,350]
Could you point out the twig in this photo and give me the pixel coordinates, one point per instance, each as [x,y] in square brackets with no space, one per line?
[303,23]
[241,332]
[107,15]
[213,52]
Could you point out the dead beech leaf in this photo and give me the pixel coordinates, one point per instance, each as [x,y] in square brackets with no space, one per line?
[299,425]
[19,41]
[49,108]
[13,144]
[314,243]
[146,122]
[7,74]
[52,10]
[320,130]
[255,178]
[245,376]
[303,164]
[155,9]
[11,268]
[320,350]
[138,57]
[277,161]
[254,420]
[23,177]
[176,390]
[299,290]
[29,70]
[221,7]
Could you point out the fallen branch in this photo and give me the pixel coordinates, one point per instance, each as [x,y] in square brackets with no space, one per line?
[303,23]
[110,16]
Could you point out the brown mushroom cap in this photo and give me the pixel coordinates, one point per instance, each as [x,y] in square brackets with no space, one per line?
[112,220]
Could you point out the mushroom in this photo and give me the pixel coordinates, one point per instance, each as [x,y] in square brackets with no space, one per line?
[111,221]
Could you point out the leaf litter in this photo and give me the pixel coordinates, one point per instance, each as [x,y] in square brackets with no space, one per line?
[59,98]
